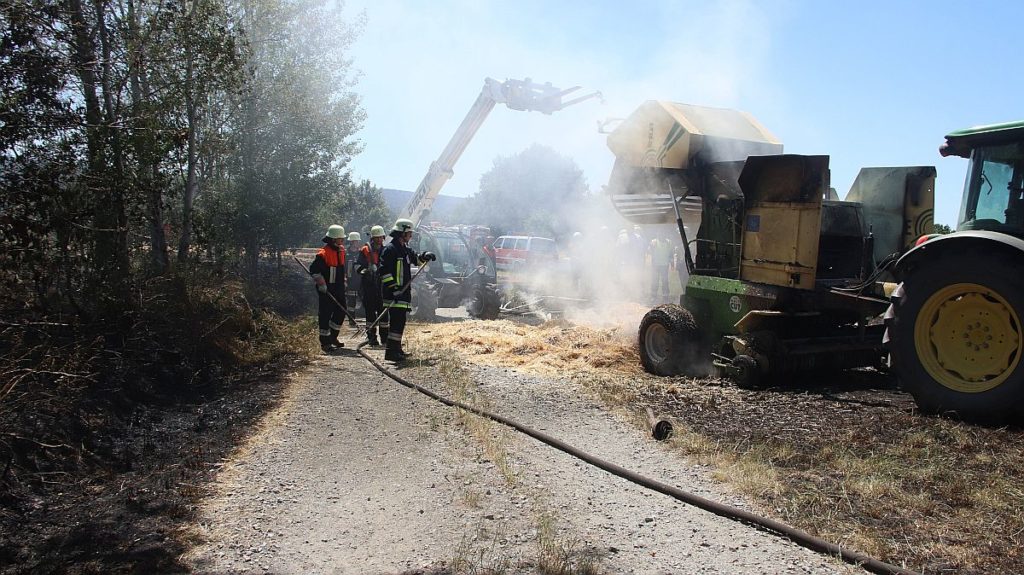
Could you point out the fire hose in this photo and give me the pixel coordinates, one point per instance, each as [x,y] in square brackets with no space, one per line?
[795,535]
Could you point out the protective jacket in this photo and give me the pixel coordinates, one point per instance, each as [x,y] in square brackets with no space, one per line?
[354,279]
[368,266]
[329,267]
[396,263]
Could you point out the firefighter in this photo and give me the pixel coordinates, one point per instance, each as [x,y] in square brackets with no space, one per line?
[662,253]
[396,261]
[367,265]
[355,242]
[328,271]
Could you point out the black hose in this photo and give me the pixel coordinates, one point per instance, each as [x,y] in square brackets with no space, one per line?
[795,535]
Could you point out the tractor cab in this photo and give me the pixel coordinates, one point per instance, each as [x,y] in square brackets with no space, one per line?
[464,274]
[993,197]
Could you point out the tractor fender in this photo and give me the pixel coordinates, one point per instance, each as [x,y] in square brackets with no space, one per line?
[935,248]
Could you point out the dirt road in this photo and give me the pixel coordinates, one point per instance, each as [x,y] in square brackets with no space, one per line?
[357,474]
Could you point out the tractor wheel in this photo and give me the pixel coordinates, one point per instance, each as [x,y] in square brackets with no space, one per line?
[424,303]
[485,303]
[671,343]
[748,373]
[955,337]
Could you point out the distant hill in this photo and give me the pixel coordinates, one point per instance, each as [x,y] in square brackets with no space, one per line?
[443,205]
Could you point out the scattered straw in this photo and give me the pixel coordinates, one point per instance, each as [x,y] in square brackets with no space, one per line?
[550,349]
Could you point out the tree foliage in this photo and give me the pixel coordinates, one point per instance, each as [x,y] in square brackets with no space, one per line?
[536,191]
[131,127]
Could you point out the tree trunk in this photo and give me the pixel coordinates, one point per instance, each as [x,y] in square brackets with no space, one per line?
[110,233]
[144,144]
[116,215]
[191,180]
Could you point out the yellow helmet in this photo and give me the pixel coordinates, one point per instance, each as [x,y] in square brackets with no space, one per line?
[377,232]
[334,232]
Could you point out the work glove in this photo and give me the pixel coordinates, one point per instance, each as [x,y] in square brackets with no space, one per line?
[321,283]
[428,257]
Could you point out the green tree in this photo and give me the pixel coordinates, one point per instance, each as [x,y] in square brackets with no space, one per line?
[359,207]
[535,191]
[943,229]
[295,120]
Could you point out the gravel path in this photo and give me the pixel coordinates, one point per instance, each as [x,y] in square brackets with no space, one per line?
[357,474]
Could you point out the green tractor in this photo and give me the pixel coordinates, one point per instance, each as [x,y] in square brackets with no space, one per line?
[463,275]
[783,277]
[954,329]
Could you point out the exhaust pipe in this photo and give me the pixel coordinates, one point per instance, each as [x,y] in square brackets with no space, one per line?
[661,429]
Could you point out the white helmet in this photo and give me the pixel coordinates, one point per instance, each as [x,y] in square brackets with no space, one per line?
[377,232]
[354,237]
[401,226]
[334,232]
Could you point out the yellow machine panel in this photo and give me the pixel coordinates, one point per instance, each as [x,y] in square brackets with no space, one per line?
[782,219]
[780,244]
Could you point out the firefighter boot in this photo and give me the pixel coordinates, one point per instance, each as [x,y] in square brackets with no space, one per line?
[334,341]
[325,344]
[371,339]
[394,352]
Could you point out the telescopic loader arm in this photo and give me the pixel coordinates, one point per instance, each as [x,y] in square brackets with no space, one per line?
[522,95]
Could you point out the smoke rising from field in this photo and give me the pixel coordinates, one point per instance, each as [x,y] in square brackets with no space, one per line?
[424,65]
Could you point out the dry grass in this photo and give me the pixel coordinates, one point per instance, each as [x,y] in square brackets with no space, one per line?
[849,461]
[559,556]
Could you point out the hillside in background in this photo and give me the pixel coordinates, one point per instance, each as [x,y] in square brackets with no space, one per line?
[443,205]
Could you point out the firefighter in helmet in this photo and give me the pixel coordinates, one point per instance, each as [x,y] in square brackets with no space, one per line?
[368,271]
[396,261]
[351,277]
[328,271]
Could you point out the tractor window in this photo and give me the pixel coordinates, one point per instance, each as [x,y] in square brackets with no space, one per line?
[452,253]
[992,194]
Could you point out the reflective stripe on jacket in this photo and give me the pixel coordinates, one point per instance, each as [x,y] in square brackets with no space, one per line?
[396,263]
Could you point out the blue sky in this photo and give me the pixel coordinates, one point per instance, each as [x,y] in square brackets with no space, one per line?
[867,83]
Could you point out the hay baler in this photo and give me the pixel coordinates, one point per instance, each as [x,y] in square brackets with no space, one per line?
[783,277]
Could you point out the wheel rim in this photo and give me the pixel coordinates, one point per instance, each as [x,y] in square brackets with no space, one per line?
[657,342]
[968,338]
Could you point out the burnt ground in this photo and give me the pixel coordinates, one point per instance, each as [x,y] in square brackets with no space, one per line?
[107,445]
[857,464]
[120,506]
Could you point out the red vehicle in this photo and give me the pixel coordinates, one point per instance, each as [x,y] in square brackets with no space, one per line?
[513,253]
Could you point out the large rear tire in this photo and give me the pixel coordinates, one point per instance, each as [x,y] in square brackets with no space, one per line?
[671,342]
[485,303]
[955,337]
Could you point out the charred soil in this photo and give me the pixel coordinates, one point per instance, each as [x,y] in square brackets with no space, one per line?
[108,439]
